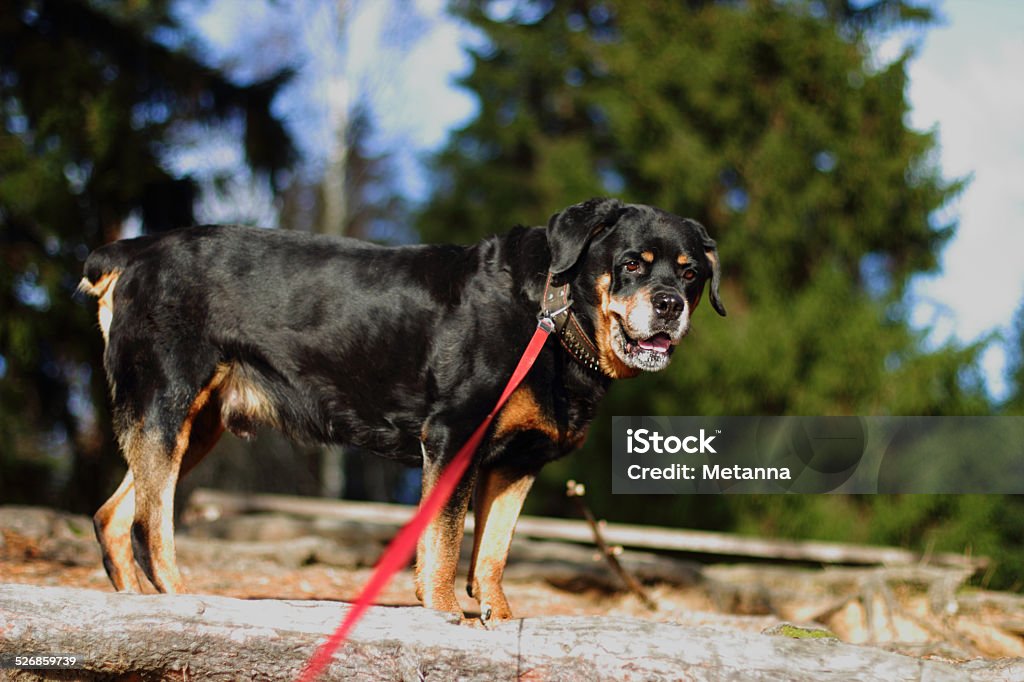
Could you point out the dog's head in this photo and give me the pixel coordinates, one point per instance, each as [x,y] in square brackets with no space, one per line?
[637,274]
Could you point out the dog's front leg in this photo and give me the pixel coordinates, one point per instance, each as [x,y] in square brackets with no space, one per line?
[437,554]
[499,499]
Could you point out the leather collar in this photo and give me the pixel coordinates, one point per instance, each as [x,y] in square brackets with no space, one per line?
[556,304]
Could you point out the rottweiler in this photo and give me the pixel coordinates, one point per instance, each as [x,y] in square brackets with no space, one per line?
[398,350]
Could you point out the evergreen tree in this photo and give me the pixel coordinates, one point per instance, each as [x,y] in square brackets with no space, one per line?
[763,120]
[766,121]
[91,94]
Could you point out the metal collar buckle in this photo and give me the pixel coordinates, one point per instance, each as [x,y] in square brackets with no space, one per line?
[560,320]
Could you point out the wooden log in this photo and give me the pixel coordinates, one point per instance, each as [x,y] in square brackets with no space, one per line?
[208,501]
[218,638]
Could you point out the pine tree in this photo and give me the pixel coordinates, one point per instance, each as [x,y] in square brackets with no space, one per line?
[767,122]
[90,96]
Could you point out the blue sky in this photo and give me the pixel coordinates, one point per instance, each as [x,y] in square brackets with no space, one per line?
[964,83]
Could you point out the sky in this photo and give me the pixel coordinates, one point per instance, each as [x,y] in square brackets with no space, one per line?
[964,84]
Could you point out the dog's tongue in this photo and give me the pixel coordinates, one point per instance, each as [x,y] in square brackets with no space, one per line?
[658,343]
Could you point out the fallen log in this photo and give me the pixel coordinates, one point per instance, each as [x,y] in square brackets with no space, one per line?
[207,502]
[219,638]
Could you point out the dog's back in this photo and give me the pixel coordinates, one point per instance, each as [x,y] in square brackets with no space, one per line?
[325,339]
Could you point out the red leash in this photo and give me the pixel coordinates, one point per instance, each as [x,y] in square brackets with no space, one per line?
[402,547]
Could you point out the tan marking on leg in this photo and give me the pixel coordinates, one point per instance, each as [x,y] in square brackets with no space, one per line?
[207,429]
[151,468]
[162,566]
[200,402]
[499,499]
[437,559]
[437,553]
[156,476]
[113,526]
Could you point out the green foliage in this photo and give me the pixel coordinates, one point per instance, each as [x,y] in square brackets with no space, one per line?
[91,94]
[767,122]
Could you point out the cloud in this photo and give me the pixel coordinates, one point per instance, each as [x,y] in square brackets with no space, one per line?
[965,84]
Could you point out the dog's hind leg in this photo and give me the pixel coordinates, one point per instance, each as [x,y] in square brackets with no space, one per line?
[437,554]
[207,429]
[154,467]
[499,497]
[156,463]
[113,525]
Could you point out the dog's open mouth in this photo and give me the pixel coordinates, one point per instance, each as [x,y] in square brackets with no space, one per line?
[659,343]
[650,354]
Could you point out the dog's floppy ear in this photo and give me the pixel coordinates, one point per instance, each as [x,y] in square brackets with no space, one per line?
[571,230]
[711,254]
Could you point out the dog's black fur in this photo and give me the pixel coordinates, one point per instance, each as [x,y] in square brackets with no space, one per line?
[399,350]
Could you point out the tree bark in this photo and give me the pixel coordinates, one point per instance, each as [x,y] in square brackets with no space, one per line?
[219,638]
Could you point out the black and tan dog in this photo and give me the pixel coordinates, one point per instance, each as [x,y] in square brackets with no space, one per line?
[402,351]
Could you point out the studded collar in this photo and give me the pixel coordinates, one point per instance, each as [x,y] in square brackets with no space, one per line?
[557,304]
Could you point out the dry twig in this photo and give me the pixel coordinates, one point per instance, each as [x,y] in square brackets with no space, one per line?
[576,491]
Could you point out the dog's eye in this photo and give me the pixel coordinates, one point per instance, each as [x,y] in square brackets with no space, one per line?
[689,274]
[631,265]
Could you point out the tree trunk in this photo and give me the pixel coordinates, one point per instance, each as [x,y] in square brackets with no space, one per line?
[219,638]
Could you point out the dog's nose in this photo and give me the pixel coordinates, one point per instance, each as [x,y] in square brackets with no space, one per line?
[668,306]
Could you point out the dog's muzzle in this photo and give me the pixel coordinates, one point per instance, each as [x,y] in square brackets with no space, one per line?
[646,337]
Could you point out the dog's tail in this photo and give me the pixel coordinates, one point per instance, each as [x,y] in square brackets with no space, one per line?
[103,265]
[101,271]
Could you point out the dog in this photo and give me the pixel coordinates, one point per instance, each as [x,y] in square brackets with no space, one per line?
[399,350]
